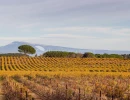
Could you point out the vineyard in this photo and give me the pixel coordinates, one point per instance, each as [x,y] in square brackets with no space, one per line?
[43,78]
[64,64]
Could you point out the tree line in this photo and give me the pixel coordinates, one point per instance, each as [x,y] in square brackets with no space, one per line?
[62,54]
[79,55]
[12,54]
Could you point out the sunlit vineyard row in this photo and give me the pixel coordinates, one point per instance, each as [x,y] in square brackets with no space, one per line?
[64,64]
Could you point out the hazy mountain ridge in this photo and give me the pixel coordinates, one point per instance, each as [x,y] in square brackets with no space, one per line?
[40,49]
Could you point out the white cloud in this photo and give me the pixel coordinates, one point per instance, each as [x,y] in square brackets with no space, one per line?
[91,30]
[76,29]
[65,36]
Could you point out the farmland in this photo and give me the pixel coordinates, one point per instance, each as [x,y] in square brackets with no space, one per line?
[44,78]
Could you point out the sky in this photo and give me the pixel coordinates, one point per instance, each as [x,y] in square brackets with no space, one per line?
[87,24]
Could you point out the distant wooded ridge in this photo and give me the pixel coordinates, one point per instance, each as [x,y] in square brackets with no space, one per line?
[72,55]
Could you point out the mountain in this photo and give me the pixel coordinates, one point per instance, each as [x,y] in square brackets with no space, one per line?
[40,49]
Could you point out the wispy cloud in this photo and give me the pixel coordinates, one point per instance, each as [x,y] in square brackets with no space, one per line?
[77,41]
[65,36]
[17,38]
[74,23]
[90,30]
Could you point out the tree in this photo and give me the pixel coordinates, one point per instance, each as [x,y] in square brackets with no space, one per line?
[88,55]
[26,49]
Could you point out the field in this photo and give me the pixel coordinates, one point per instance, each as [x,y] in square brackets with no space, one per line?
[42,78]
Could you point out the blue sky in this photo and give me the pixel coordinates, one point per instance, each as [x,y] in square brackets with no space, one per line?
[89,24]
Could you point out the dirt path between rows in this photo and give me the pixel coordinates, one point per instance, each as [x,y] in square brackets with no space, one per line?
[2,96]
